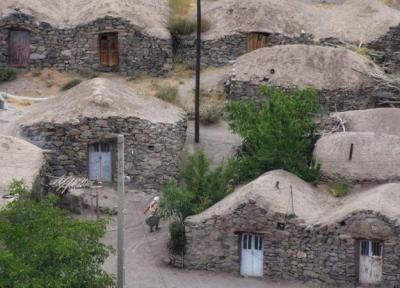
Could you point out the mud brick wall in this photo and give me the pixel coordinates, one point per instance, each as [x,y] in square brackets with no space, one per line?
[77,49]
[152,150]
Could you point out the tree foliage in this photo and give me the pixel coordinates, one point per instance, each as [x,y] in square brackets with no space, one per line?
[200,187]
[277,135]
[42,246]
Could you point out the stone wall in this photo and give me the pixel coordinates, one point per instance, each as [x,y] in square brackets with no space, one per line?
[333,100]
[152,151]
[386,49]
[325,253]
[77,49]
[221,51]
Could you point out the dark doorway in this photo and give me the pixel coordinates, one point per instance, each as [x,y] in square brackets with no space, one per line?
[19,48]
[256,41]
[109,56]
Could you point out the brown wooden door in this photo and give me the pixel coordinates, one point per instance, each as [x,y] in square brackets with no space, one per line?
[256,41]
[109,56]
[19,48]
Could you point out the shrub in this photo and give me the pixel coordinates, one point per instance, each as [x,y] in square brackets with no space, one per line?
[7,74]
[200,187]
[211,106]
[178,239]
[338,189]
[181,26]
[277,135]
[17,187]
[211,112]
[167,92]
[42,246]
[363,51]
[205,25]
[70,84]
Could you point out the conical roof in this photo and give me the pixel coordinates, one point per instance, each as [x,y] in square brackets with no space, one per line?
[311,205]
[355,21]
[304,65]
[149,15]
[19,160]
[101,98]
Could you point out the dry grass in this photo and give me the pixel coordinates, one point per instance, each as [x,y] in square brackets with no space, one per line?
[179,22]
[19,102]
[211,106]
[166,92]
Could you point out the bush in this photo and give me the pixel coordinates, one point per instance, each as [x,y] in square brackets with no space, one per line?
[167,93]
[178,239]
[200,187]
[42,246]
[363,51]
[277,135]
[205,25]
[181,26]
[70,84]
[338,189]
[7,74]
[17,187]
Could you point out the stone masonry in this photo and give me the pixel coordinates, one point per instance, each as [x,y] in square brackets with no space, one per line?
[152,150]
[221,51]
[77,49]
[333,100]
[326,253]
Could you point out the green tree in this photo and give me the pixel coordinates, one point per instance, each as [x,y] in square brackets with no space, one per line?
[199,188]
[42,246]
[279,134]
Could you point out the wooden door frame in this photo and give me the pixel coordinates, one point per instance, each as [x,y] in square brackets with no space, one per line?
[17,29]
[108,68]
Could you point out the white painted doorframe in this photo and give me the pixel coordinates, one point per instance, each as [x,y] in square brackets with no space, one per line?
[100,167]
[252,255]
[371,262]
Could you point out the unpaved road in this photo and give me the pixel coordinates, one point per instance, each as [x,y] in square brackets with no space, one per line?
[145,254]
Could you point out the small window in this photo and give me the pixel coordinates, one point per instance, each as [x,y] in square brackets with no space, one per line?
[96,147]
[256,242]
[280,226]
[376,248]
[260,243]
[371,248]
[105,147]
[365,248]
[249,242]
[245,241]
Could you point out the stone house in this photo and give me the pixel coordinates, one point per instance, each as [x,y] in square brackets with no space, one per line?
[20,160]
[341,77]
[365,149]
[86,36]
[80,127]
[279,227]
[241,26]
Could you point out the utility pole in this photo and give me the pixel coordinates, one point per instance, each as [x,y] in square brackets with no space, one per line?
[198,63]
[121,200]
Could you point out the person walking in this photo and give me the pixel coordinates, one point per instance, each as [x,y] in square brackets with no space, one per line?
[153,219]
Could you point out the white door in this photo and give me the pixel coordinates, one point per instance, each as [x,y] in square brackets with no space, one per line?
[371,260]
[100,162]
[252,263]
